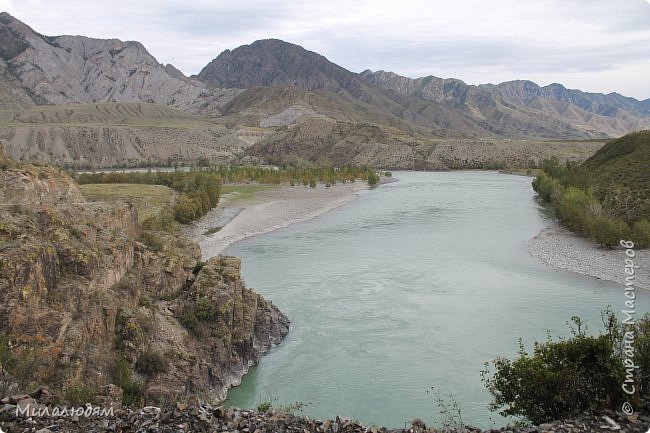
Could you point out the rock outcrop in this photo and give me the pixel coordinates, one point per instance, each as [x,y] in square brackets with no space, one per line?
[84,304]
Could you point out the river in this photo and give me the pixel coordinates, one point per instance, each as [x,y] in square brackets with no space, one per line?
[414,285]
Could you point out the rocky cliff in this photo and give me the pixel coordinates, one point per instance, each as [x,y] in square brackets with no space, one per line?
[84,303]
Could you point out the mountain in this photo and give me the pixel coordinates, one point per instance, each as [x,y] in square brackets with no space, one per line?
[520,108]
[443,107]
[272,62]
[271,100]
[77,69]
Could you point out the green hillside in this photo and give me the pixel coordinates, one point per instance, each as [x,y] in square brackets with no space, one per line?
[606,198]
[620,174]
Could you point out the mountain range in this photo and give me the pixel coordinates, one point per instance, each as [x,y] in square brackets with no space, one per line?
[79,101]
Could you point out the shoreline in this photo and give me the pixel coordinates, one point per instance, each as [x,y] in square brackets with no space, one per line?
[268,211]
[558,248]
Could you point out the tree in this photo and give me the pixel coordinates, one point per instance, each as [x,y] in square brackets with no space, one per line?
[641,234]
[373,178]
[185,210]
[608,232]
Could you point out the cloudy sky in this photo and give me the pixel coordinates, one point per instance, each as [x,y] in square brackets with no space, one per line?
[593,45]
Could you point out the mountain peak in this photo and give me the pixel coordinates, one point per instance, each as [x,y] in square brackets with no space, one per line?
[274,62]
[79,69]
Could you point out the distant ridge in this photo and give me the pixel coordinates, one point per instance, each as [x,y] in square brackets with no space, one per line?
[252,93]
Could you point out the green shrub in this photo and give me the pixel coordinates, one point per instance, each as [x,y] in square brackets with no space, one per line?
[151,363]
[197,268]
[123,377]
[146,302]
[186,210]
[153,240]
[80,394]
[608,232]
[189,320]
[205,310]
[563,377]
[191,317]
[641,234]
[7,360]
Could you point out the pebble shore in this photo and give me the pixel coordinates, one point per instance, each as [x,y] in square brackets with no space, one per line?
[561,249]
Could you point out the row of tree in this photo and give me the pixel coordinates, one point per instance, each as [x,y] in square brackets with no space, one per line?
[199,191]
[200,188]
[294,175]
[570,192]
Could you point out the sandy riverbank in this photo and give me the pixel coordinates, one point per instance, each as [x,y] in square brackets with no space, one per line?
[267,211]
[561,249]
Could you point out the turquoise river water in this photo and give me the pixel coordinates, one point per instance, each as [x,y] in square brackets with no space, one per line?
[414,285]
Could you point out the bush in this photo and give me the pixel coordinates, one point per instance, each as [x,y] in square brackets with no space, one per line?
[191,317]
[7,360]
[566,376]
[373,179]
[122,377]
[186,210]
[205,311]
[582,195]
[153,240]
[80,394]
[641,234]
[151,363]
[189,320]
[608,232]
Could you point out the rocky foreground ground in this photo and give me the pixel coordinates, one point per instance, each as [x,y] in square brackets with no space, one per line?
[202,417]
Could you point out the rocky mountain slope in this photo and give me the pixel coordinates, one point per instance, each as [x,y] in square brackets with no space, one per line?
[250,96]
[519,108]
[85,304]
[513,109]
[273,62]
[77,69]
[117,134]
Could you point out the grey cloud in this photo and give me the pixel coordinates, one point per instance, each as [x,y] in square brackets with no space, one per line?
[514,55]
